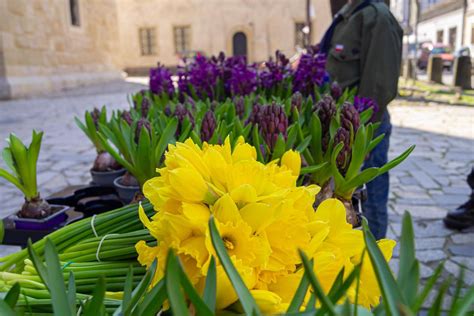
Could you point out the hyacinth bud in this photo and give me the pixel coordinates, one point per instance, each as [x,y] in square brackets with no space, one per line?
[141,124]
[145,107]
[273,122]
[326,108]
[336,90]
[95,114]
[239,103]
[167,110]
[297,100]
[208,126]
[192,103]
[255,115]
[350,117]
[343,136]
[181,112]
[127,117]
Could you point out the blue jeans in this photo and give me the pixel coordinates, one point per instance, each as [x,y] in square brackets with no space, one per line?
[375,207]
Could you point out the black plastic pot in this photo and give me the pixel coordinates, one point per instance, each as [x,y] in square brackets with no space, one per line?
[125,193]
[53,220]
[106,178]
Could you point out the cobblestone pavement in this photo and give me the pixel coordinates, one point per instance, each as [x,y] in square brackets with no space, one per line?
[428,184]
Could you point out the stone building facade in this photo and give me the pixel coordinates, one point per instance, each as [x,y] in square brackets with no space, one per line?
[42,49]
[48,45]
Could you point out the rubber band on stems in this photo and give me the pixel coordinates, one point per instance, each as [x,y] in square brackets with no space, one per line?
[92,226]
[100,245]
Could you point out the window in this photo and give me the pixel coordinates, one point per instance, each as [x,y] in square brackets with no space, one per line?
[452,36]
[74,12]
[147,41]
[182,38]
[299,35]
[440,36]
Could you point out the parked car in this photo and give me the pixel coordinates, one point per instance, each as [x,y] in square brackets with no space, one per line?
[445,53]
[438,50]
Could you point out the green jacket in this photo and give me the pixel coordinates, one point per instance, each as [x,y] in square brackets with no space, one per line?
[366,51]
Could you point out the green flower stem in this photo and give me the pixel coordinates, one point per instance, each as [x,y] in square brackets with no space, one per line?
[104,223]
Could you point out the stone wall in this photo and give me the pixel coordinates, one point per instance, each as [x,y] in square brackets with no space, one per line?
[268,25]
[43,51]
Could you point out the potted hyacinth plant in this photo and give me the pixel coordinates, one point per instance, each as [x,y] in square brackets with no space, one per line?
[105,168]
[36,212]
[138,145]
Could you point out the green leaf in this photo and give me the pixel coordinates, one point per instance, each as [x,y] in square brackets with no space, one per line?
[193,295]
[95,306]
[11,178]
[140,289]
[337,292]
[127,289]
[457,291]
[392,297]
[395,162]
[12,295]
[6,310]
[310,306]
[279,148]
[365,116]
[408,273]
[365,176]
[299,296]
[437,305]
[326,305]
[116,154]
[338,178]
[304,144]
[465,305]
[38,264]
[426,290]
[291,139]
[358,153]
[56,285]
[172,280]
[246,299]
[375,142]
[153,300]
[209,295]
[145,162]
[2,231]
[19,153]
[256,143]
[312,169]
[316,138]
[71,293]
[8,159]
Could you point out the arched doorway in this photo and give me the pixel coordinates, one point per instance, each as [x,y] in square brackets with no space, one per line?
[239,44]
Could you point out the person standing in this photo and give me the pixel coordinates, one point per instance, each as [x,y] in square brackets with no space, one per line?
[363,47]
[463,216]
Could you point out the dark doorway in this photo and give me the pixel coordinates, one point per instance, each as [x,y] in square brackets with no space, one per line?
[239,44]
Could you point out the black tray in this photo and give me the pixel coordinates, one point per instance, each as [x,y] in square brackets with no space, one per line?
[83,201]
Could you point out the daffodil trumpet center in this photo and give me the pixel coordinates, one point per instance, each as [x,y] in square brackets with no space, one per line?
[228,243]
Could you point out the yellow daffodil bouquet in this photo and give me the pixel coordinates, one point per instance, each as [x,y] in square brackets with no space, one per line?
[263,218]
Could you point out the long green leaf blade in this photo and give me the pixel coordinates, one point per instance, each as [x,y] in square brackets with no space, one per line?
[246,299]
[209,295]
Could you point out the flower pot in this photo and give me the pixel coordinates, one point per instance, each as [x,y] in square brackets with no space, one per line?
[57,217]
[125,193]
[106,178]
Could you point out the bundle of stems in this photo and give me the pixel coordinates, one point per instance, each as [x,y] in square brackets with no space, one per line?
[119,221]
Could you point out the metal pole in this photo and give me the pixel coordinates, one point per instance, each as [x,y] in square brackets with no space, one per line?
[308,23]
